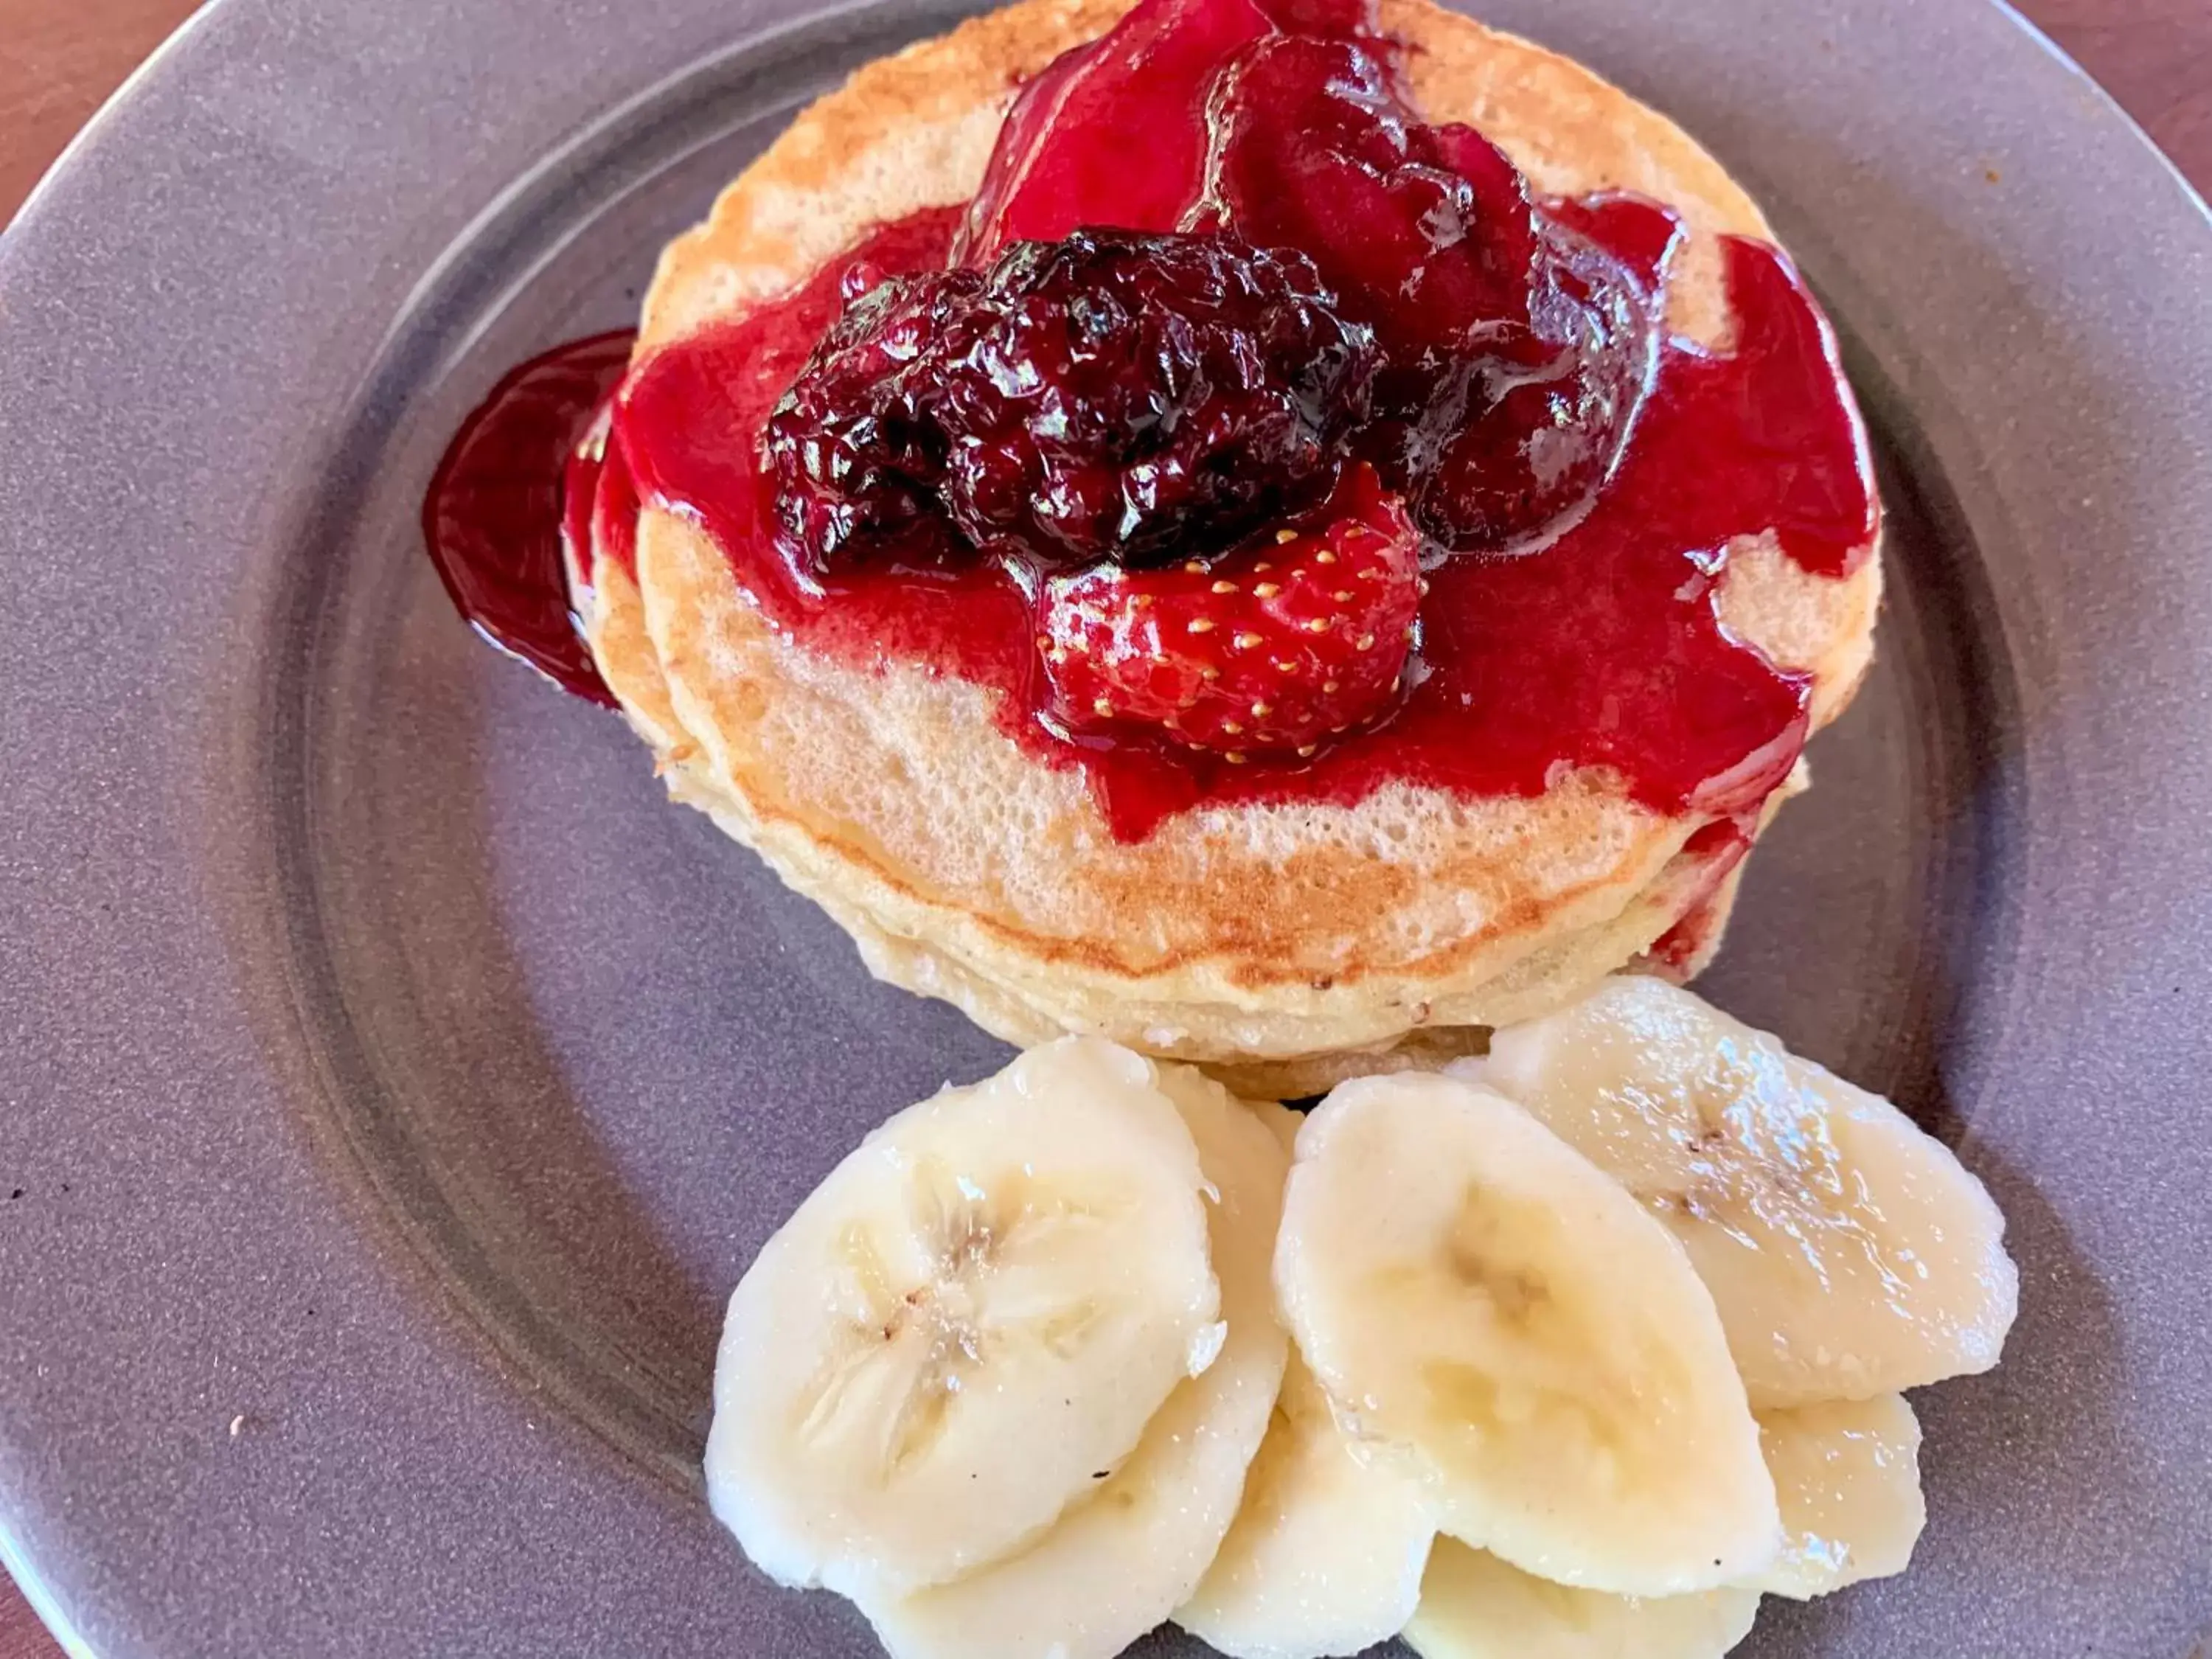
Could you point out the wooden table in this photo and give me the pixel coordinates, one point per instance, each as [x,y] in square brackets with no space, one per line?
[59,58]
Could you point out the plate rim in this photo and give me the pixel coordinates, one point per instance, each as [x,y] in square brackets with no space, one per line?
[39,239]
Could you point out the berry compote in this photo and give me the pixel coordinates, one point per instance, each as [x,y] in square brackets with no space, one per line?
[1109,395]
[1258,441]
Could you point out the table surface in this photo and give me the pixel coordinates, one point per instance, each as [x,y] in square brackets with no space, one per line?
[60,59]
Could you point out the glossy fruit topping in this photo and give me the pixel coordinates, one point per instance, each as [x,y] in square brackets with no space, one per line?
[1516,348]
[1110,395]
[1333,376]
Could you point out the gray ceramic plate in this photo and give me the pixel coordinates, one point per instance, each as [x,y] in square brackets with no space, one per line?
[393,1084]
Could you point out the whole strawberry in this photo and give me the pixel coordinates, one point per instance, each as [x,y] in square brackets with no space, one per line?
[1264,652]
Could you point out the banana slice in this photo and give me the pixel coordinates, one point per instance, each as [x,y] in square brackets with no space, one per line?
[1850,1254]
[973,1314]
[1326,1553]
[1120,1560]
[1849,1476]
[1470,1290]
[1473,1606]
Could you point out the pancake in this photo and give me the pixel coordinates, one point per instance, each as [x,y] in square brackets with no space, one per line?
[1278,943]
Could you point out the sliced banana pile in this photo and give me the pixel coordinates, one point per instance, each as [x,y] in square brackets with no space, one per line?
[1590,1343]
[1849,1254]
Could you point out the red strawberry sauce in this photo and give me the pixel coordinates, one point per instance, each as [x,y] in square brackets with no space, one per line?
[1599,647]
[493,518]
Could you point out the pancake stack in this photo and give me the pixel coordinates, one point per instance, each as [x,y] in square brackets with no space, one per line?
[1283,945]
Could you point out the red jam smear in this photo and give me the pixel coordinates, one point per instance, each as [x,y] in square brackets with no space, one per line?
[689,423]
[494,516]
[1721,846]
[600,483]
[1068,156]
